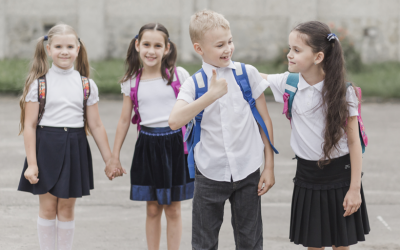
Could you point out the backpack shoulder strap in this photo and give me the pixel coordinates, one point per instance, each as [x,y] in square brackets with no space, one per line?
[134,92]
[86,94]
[290,91]
[175,84]
[242,80]
[192,136]
[42,93]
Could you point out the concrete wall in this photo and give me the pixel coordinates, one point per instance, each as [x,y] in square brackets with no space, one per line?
[260,27]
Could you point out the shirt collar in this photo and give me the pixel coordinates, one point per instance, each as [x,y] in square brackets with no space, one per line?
[61,71]
[303,84]
[208,68]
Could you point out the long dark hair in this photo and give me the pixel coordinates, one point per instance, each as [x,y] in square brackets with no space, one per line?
[133,63]
[334,90]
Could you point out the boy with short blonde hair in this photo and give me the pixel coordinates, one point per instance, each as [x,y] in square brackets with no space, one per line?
[229,154]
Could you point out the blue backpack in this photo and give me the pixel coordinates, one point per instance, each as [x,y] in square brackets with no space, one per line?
[192,136]
[291,90]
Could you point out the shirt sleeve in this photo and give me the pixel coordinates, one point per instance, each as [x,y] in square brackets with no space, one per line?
[126,87]
[352,101]
[257,83]
[94,94]
[32,95]
[182,74]
[277,85]
[187,91]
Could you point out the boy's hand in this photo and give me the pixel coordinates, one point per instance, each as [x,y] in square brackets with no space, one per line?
[113,168]
[218,87]
[31,174]
[352,202]
[267,180]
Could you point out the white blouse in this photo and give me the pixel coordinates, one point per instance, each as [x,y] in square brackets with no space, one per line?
[230,142]
[155,98]
[64,98]
[308,118]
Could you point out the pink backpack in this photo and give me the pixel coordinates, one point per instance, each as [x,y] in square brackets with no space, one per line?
[134,92]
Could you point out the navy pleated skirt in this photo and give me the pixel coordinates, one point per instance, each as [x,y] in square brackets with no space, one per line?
[317,206]
[64,161]
[159,169]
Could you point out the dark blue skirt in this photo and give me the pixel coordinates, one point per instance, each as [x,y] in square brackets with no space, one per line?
[317,206]
[64,161]
[159,169]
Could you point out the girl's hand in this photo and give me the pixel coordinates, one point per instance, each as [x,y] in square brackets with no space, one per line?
[268,179]
[352,201]
[218,87]
[31,174]
[113,168]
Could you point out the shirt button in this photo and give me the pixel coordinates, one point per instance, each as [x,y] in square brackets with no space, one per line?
[65,129]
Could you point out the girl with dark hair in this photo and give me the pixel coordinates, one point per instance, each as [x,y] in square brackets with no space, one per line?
[328,205]
[159,173]
[58,105]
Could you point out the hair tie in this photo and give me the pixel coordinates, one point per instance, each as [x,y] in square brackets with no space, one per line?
[332,37]
[46,38]
[79,39]
[169,39]
[137,36]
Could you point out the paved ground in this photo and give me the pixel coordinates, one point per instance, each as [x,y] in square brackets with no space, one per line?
[109,220]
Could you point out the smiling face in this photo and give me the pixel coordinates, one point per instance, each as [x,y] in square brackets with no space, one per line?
[216,47]
[301,57]
[63,49]
[152,48]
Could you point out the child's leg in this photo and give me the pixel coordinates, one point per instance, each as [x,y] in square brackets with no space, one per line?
[153,225]
[246,213]
[65,223]
[340,248]
[174,225]
[46,223]
[313,248]
[208,211]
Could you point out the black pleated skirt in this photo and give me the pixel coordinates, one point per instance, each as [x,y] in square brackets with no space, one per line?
[159,169]
[317,206]
[64,161]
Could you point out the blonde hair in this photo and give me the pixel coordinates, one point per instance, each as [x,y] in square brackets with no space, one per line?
[40,65]
[203,21]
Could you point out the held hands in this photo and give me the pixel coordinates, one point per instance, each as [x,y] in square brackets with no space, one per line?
[267,180]
[113,168]
[31,174]
[218,87]
[352,201]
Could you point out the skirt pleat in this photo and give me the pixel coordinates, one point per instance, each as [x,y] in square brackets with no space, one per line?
[317,206]
[64,163]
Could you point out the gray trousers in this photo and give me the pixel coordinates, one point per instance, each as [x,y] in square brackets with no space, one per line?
[208,212]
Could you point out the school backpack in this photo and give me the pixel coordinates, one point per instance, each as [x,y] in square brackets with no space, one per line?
[192,136]
[42,93]
[291,90]
[134,92]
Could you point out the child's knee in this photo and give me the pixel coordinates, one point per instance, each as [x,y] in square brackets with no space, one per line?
[48,211]
[173,211]
[154,210]
[65,209]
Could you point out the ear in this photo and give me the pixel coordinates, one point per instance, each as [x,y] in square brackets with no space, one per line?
[137,45]
[198,49]
[319,57]
[78,49]
[167,49]
[48,49]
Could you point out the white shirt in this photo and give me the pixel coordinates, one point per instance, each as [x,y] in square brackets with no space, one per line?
[64,98]
[308,118]
[230,142]
[155,98]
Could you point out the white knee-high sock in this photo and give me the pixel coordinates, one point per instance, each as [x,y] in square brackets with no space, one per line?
[65,234]
[47,234]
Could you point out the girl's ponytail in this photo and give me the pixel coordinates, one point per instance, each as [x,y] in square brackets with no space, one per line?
[132,62]
[39,67]
[82,62]
[168,62]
